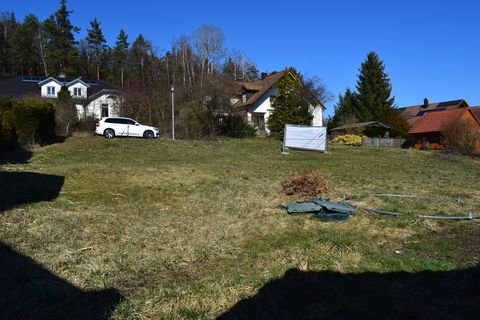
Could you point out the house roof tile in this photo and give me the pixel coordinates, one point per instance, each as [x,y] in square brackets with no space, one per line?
[14,87]
[437,121]
[411,112]
[252,86]
[262,86]
[19,86]
[476,111]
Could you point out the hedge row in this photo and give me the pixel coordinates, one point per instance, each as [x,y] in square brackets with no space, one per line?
[26,121]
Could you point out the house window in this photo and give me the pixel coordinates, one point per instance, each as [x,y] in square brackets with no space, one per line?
[259,121]
[104,110]
[51,91]
[77,92]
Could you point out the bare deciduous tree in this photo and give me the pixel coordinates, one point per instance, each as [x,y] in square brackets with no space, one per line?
[208,42]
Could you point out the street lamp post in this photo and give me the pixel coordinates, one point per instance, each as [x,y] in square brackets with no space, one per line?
[172,89]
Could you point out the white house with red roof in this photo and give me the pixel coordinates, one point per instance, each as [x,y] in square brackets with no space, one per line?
[429,122]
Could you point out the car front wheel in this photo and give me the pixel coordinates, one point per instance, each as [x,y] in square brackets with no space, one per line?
[109,133]
[148,134]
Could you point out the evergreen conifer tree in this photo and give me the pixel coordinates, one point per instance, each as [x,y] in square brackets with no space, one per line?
[8,25]
[61,51]
[26,56]
[289,105]
[97,43]
[346,109]
[140,57]
[374,89]
[119,55]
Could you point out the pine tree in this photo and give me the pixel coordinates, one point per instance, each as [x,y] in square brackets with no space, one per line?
[97,43]
[289,105]
[84,59]
[119,55]
[374,89]
[8,24]
[61,51]
[230,68]
[140,58]
[27,57]
[345,109]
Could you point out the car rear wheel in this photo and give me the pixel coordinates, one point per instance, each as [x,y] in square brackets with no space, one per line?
[148,134]
[109,133]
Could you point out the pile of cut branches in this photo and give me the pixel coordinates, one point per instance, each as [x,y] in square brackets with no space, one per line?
[305,185]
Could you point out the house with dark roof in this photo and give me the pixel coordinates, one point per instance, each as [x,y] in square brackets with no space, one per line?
[93,98]
[429,122]
[254,101]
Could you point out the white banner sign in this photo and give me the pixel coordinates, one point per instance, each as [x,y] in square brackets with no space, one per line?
[305,137]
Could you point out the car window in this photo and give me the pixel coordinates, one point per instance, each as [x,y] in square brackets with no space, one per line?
[120,121]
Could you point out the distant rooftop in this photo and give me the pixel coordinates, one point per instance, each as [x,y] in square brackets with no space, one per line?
[362,125]
[19,86]
[38,79]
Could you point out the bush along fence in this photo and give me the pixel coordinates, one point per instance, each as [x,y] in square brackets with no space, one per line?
[383,142]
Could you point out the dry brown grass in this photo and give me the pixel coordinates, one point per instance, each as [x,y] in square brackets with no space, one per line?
[305,185]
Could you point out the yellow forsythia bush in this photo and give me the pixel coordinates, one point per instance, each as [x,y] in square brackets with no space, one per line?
[348,139]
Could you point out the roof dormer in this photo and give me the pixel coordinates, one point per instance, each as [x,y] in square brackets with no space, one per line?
[50,87]
[78,88]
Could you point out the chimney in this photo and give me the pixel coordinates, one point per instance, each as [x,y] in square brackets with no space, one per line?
[425,103]
[264,75]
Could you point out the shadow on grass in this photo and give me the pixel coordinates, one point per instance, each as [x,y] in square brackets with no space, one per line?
[18,155]
[29,291]
[18,188]
[331,295]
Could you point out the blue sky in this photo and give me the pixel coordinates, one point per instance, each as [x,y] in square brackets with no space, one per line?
[430,48]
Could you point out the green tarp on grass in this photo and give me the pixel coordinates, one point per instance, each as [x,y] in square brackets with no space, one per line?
[324,209]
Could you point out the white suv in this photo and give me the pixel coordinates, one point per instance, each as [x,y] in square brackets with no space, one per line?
[111,127]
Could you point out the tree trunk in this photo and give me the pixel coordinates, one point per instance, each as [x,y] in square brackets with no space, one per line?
[98,71]
[121,77]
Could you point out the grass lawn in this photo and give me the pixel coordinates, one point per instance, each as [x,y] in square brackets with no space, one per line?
[190,230]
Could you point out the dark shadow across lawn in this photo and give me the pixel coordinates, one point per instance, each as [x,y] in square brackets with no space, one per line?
[18,188]
[332,295]
[18,155]
[29,291]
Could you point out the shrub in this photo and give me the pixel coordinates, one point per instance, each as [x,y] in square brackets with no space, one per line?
[34,121]
[305,185]
[235,126]
[8,137]
[65,113]
[462,137]
[86,125]
[348,139]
